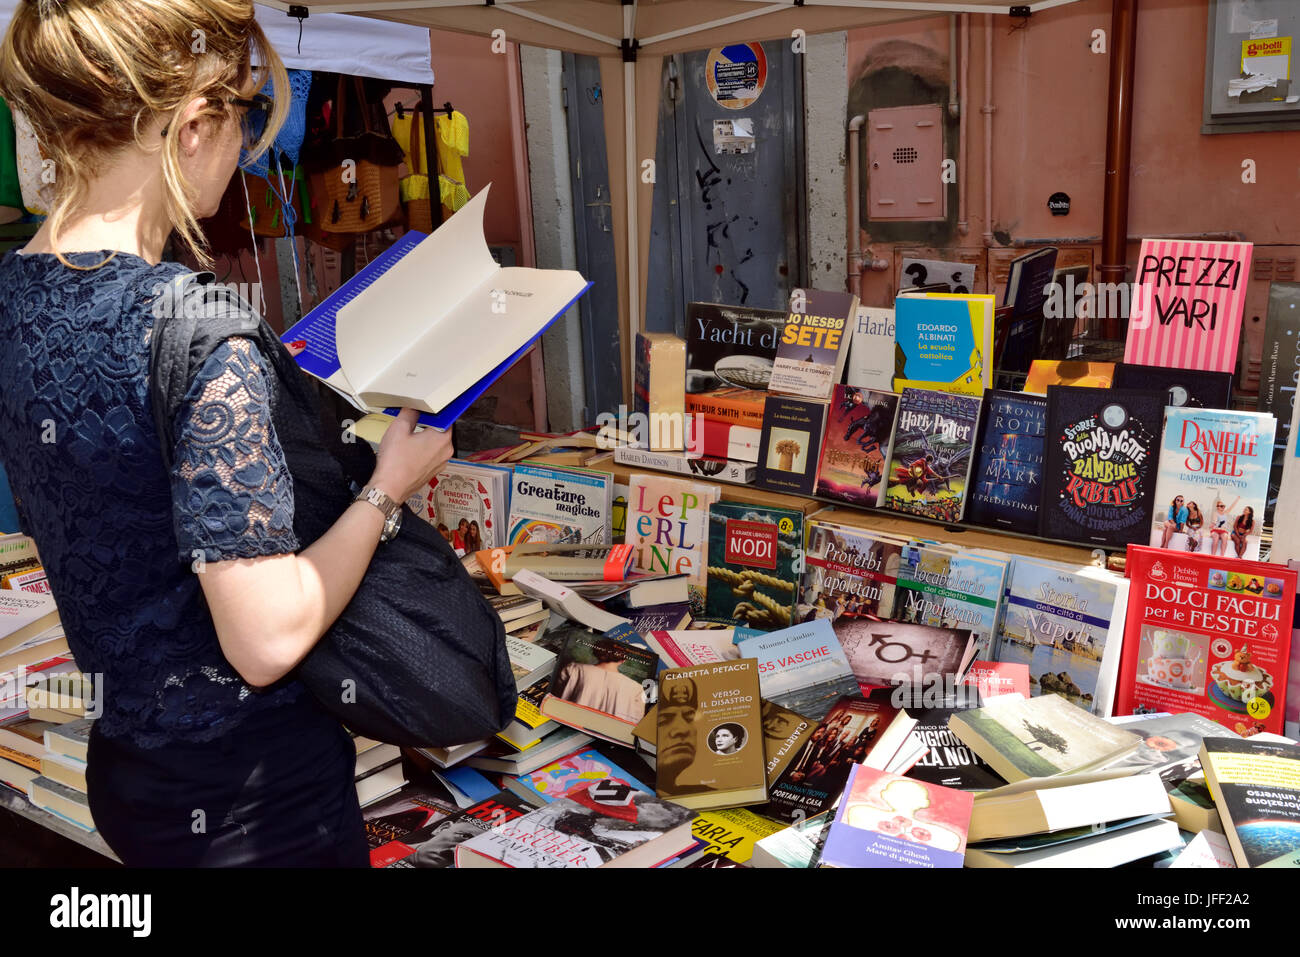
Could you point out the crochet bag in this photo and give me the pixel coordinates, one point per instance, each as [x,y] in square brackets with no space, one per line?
[418,657]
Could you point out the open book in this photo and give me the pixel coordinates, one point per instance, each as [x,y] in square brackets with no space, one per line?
[432,322]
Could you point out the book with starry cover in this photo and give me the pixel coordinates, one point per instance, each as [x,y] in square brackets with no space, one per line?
[1006,483]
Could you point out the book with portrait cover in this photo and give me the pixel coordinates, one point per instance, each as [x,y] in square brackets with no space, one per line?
[1100,468]
[606,823]
[1208,636]
[849,574]
[469,501]
[930,454]
[433,845]
[600,686]
[1066,624]
[802,668]
[1183,388]
[709,736]
[855,449]
[559,506]
[886,820]
[1256,787]
[814,343]
[791,442]
[408,810]
[949,762]
[1212,484]
[813,780]
[752,552]
[1006,483]
[944,587]
[668,529]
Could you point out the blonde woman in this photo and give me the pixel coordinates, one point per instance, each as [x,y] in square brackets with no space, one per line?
[188,593]
[1221,525]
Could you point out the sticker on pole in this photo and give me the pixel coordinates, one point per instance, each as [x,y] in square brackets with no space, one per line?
[736,74]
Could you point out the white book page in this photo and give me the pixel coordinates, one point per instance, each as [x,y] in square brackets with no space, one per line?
[466,340]
[376,328]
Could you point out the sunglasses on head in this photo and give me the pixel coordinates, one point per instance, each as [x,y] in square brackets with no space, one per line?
[256,110]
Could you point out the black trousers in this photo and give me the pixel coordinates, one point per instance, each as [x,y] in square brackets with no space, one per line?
[278,790]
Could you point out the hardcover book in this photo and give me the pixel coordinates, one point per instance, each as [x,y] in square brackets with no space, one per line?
[1212,486]
[1188,312]
[930,457]
[1067,625]
[709,736]
[1279,374]
[607,823]
[949,761]
[683,463]
[870,364]
[789,449]
[855,449]
[730,346]
[434,844]
[814,342]
[668,529]
[945,588]
[1183,388]
[944,342]
[559,506]
[572,773]
[1006,484]
[752,554]
[802,668]
[849,575]
[784,735]
[1028,282]
[1256,786]
[732,831]
[1208,636]
[890,821]
[728,405]
[1024,738]
[1099,475]
[599,686]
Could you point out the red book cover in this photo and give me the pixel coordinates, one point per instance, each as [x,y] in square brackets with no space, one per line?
[1207,635]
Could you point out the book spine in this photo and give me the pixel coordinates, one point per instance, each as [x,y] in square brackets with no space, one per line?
[736,473]
[731,410]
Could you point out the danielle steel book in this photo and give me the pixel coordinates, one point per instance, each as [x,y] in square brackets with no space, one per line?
[1212,487]
[855,449]
[1208,636]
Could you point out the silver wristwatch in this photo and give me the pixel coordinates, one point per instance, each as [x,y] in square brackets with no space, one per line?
[392,511]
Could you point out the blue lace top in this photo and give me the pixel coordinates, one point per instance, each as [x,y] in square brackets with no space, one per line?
[120,538]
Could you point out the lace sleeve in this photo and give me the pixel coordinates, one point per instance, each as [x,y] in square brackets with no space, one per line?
[232,494]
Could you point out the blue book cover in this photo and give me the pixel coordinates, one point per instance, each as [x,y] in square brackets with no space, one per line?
[948,589]
[8,511]
[1006,482]
[802,668]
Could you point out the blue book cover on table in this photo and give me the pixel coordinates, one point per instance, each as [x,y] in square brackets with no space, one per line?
[1006,480]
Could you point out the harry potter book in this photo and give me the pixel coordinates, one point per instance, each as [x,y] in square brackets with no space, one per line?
[709,737]
[1006,485]
[930,460]
[855,450]
[1100,467]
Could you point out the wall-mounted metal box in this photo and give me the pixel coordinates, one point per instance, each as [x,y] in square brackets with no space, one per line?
[905,164]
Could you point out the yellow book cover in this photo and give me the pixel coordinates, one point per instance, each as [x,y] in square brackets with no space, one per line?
[733,832]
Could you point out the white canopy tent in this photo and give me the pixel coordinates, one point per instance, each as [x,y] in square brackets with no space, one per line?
[336,43]
[631,37]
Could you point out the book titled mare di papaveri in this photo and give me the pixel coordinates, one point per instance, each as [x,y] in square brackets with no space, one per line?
[930,457]
[849,574]
[790,445]
[944,342]
[752,554]
[1067,625]
[948,588]
[434,359]
[1099,473]
[1006,483]
[1189,303]
[814,343]
[1208,636]
[668,527]
[1212,486]
[560,506]
[855,450]
[709,736]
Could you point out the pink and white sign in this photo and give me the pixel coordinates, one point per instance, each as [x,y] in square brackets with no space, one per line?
[1188,302]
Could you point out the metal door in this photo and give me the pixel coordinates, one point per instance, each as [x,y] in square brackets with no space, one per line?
[730,215]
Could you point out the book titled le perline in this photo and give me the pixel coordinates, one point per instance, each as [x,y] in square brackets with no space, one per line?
[433,355]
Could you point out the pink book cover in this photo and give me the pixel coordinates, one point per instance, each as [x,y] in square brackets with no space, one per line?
[1186,308]
[998,677]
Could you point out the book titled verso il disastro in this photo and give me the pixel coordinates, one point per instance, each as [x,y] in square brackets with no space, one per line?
[560,506]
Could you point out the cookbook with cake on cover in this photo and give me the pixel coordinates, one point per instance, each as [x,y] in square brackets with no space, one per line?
[1207,635]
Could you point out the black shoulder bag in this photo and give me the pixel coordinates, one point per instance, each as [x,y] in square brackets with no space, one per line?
[418,657]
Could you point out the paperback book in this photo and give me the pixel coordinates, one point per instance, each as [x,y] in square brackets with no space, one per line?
[946,588]
[730,348]
[930,457]
[570,774]
[948,762]
[855,449]
[684,463]
[814,343]
[886,654]
[1208,636]
[560,506]
[468,503]
[870,364]
[1212,485]
[1256,786]
[1100,469]
[1006,486]
[599,686]
[784,734]
[849,575]
[791,442]
[944,342]
[434,844]
[1075,372]
[668,529]
[802,668]
[1183,388]
[751,574]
